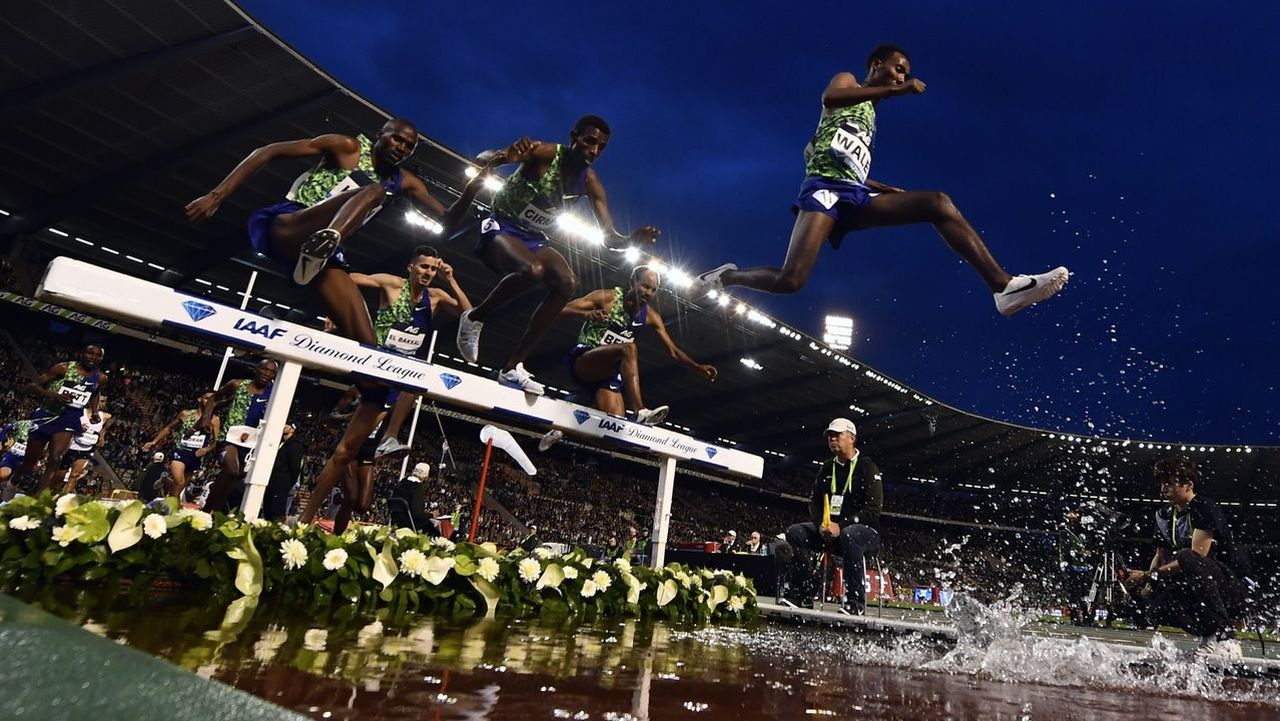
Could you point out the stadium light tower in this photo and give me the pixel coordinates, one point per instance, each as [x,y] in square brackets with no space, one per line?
[837,332]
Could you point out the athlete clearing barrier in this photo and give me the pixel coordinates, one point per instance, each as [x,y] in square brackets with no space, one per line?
[837,196]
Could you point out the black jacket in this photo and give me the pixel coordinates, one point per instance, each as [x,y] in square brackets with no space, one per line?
[865,499]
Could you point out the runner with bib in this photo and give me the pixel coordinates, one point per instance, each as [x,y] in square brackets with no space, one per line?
[66,390]
[248,404]
[14,438]
[191,443]
[404,323]
[838,196]
[79,456]
[514,243]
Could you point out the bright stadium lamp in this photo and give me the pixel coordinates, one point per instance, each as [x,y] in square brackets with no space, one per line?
[837,332]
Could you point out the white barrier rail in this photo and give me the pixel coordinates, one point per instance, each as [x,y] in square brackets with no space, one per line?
[88,287]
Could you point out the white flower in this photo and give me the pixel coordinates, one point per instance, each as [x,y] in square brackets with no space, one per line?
[542,552]
[314,639]
[201,521]
[259,523]
[736,604]
[23,523]
[529,569]
[740,580]
[65,503]
[154,526]
[437,568]
[634,587]
[335,559]
[404,532]
[588,561]
[602,580]
[706,573]
[589,588]
[64,535]
[623,565]
[570,572]
[413,562]
[666,592]
[487,569]
[683,578]
[293,553]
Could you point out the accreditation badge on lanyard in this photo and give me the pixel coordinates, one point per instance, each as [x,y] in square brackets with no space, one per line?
[837,499]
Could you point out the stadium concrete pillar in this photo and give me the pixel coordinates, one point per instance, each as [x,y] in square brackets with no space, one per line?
[264,456]
[662,512]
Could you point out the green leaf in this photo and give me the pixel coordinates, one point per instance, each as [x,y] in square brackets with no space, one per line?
[464,566]
[249,570]
[91,520]
[387,594]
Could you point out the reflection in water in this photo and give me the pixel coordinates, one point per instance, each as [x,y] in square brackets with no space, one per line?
[343,665]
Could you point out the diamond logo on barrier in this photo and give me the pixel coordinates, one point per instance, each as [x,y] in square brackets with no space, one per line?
[581,416]
[450,380]
[711,452]
[197,310]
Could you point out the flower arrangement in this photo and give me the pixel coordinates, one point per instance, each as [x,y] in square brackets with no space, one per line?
[77,538]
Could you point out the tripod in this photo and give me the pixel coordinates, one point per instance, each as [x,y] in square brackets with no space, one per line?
[1103,590]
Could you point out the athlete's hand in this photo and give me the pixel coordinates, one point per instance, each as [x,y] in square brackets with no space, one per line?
[203,208]
[913,86]
[445,272]
[517,152]
[202,452]
[146,447]
[648,235]
[597,314]
[707,371]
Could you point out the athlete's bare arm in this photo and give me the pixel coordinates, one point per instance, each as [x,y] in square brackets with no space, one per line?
[454,300]
[342,150]
[417,190]
[40,386]
[647,235]
[653,319]
[164,432]
[521,148]
[844,90]
[592,306]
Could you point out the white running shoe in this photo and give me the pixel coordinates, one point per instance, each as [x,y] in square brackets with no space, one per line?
[469,336]
[1024,290]
[550,438]
[388,446]
[520,378]
[1219,648]
[710,280]
[652,417]
[314,255]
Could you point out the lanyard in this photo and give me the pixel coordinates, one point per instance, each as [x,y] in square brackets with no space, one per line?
[848,481]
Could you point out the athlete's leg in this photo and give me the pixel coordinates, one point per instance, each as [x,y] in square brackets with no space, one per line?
[561,284]
[522,269]
[232,472]
[350,487]
[178,473]
[58,445]
[610,402]
[918,206]
[807,237]
[346,306]
[399,412]
[35,451]
[362,423]
[343,212]
[600,364]
[79,467]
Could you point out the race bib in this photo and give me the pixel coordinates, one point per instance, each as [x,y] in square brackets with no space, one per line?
[404,342]
[193,442]
[536,217]
[850,147]
[88,438]
[612,338]
[837,502]
[76,397]
[18,449]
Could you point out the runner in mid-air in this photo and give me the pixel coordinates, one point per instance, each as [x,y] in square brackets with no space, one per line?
[837,196]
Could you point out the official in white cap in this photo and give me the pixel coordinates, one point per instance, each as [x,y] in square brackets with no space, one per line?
[844,518]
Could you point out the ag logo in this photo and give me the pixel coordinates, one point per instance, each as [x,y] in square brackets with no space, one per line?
[450,380]
[197,310]
[711,452]
[581,416]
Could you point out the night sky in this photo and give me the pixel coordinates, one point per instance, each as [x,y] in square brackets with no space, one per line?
[1132,142]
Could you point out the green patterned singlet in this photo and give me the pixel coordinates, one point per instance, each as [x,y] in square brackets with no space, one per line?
[322,181]
[841,146]
[534,202]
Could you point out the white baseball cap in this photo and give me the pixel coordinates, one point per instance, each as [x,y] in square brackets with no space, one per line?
[842,425]
[421,471]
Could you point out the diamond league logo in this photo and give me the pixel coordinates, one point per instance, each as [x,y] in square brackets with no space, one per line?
[711,452]
[581,416]
[197,310]
[450,380]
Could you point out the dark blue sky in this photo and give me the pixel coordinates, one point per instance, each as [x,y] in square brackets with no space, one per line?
[1133,142]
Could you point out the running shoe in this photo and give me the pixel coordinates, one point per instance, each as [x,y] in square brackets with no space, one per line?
[710,280]
[1219,648]
[314,255]
[652,417]
[550,438]
[1024,290]
[850,607]
[389,446]
[520,378]
[469,336]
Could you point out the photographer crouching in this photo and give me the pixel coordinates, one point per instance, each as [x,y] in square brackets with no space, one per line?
[1193,582]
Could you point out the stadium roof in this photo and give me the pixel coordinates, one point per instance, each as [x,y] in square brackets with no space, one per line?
[114,115]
